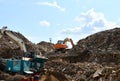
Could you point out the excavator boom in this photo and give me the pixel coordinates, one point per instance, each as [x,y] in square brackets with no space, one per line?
[19,41]
[15,38]
[68,40]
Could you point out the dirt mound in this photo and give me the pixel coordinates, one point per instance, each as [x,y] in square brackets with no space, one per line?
[45,47]
[85,60]
[100,47]
[54,76]
[82,62]
[9,48]
[86,71]
[9,77]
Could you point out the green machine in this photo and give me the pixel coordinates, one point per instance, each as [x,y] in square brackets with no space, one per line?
[17,65]
[37,62]
[25,65]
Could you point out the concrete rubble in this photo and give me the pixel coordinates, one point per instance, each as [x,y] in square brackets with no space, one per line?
[94,58]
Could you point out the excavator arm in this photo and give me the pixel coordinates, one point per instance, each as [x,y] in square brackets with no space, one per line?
[15,38]
[68,40]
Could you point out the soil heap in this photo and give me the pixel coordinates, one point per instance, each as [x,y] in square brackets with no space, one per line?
[95,58]
[10,48]
[45,47]
[100,47]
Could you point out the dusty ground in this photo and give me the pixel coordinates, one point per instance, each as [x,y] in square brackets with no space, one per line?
[94,58]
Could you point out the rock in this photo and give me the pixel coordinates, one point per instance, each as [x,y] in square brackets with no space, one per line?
[98,73]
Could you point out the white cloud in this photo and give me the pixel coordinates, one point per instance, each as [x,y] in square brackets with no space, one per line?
[53,4]
[74,30]
[90,22]
[58,24]
[118,22]
[95,21]
[44,23]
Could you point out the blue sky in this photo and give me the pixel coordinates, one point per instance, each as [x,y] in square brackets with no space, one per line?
[39,20]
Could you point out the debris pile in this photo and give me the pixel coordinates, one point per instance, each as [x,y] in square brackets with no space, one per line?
[45,47]
[86,71]
[9,48]
[100,47]
[95,58]
[8,77]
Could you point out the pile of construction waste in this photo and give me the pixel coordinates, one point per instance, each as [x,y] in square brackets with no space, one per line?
[8,77]
[86,71]
[47,76]
[45,47]
[95,58]
[9,48]
[100,47]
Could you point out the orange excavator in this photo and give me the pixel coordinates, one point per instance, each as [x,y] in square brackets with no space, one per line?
[61,45]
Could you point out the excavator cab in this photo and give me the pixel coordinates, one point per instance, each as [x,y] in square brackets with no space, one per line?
[59,46]
[60,42]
